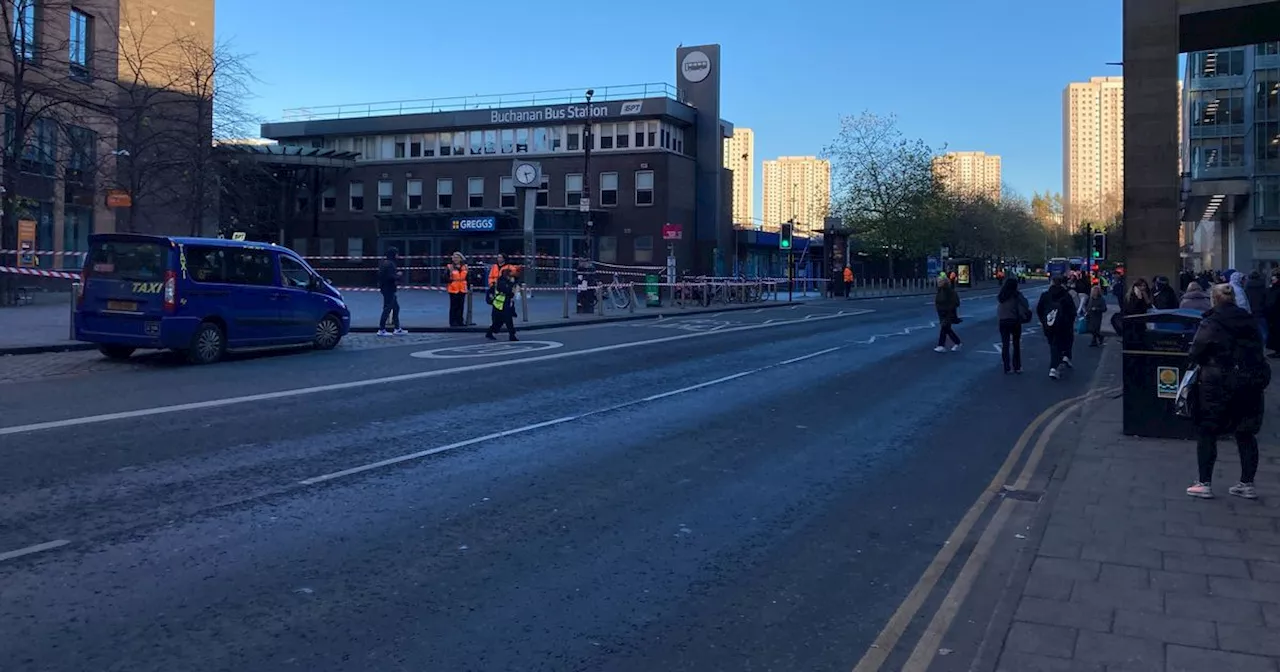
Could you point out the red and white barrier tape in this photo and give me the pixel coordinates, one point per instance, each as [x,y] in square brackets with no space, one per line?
[48,253]
[40,274]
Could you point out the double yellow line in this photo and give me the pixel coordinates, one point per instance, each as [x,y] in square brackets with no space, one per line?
[927,647]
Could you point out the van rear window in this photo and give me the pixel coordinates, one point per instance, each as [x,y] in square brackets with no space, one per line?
[127,260]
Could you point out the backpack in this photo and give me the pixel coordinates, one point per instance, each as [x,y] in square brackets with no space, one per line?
[1249,369]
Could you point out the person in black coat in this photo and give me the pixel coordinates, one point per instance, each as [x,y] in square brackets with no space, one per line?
[1229,400]
[504,306]
[1271,310]
[1057,313]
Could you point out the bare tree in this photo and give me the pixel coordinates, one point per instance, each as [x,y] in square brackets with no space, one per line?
[883,185]
[179,94]
[57,100]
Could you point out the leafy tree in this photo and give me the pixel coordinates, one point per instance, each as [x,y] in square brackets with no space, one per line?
[883,186]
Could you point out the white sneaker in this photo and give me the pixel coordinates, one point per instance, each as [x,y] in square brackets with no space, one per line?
[383,332]
[1053,373]
[939,349]
[1066,361]
[955,348]
[400,332]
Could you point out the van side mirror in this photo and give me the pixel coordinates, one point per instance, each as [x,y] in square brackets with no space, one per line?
[313,284]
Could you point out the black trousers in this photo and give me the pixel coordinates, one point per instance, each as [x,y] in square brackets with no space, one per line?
[1011,344]
[1207,454]
[1060,345]
[457,309]
[503,318]
[946,331]
[390,310]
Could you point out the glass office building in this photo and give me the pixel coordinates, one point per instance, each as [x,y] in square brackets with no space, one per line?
[1231,158]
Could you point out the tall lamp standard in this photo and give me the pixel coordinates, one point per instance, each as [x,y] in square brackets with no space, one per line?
[585,204]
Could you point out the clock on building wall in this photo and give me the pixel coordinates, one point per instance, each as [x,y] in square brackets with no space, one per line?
[526,174]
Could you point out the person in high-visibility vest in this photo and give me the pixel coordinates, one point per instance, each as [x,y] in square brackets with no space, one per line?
[495,271]
[848,282]
[457,270]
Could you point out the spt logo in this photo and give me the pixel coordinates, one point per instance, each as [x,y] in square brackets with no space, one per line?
[631,107]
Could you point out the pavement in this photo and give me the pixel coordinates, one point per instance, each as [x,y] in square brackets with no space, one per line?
[743,491]
[45,325]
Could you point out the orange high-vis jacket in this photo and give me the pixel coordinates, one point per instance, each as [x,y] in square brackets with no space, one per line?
[848,275]
[457,279]
[495,272]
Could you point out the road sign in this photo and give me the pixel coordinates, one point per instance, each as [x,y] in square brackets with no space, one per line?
[672,231]
[584,205]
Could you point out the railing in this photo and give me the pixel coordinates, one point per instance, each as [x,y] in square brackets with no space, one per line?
[481,102]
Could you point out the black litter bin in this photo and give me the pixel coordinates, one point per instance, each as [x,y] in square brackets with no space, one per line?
[1156,347]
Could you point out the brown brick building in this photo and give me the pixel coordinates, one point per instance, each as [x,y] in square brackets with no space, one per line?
[655,161]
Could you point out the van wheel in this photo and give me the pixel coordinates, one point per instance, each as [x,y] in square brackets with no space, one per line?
[328,333]
[116,352]
[208,344]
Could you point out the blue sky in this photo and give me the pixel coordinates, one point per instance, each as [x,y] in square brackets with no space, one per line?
[972,75]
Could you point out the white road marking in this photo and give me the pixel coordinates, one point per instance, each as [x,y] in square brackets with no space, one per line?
[47,546]
[369,382]
[557,421]
[488,349]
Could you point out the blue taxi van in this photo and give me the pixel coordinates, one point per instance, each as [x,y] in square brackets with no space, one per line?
[202,297]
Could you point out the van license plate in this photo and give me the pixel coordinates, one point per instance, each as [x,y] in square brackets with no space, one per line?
[151,328]
[122,305]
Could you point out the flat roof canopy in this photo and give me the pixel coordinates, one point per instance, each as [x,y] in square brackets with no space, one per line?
[286,155]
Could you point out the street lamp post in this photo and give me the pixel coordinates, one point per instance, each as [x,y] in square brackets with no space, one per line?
[585,205]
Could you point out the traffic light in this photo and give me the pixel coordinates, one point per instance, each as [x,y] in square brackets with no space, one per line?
[784,237]
[1100,246]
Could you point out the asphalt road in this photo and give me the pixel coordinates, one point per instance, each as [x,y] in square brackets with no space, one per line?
[756,490]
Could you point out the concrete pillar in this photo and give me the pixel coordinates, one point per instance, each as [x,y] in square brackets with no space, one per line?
[1151,178]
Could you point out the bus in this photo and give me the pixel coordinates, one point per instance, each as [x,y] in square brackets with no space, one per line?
[1057,266]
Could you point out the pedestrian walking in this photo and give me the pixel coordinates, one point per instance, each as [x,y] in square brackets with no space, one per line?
[848,282]
[388,285]
[1012,311]
[504,306]
[947,303]
[1163,297]
[1231,377]
[1237,285]
[1195,298]
[495,271]
[1057,314]
[1094,308]
[457,288]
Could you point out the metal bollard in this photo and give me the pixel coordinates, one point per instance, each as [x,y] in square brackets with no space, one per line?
[470,309]
[524,306]
[632,288]
[566,300]
[75,292]
[599,301]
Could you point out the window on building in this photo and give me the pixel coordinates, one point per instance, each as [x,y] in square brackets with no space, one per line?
[1268,49]
[415,146]
[1221,107]
[572,190]
[522,140]
[444,193]
[608,189]
[80,43]
[476,142]
[400,150]
[679,140]
[385,196]
[508,188]
[607,249]
[575,141]
[544,192]
[385,145]
[508,141]
[413,195]
[355,247]
[490,142]
[556,137]
[640,133]
[622,136]
[24,32]
[644,187]
[475,192]
[429,144]
[301,246]
[459,144]
[1267,197]
[77,224]
[1266,95]
[652,127]
[644,249]
[355,195]
[357,146]
[328,247]
[329,199]
[541,140]
[1267,147]
[82,150]
[605,131]
[446,144]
